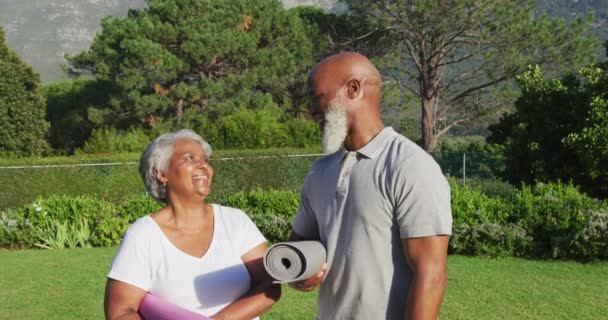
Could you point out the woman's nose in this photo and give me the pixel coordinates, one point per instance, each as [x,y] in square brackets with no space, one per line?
[203,164]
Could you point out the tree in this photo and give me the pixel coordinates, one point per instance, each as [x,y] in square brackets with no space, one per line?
[22,107]
[452,54]
[212,56]
[68,104]
[559,130]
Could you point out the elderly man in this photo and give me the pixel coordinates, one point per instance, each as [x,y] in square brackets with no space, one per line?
[378,202]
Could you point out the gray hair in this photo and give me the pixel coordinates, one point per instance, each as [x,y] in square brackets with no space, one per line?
[156,159]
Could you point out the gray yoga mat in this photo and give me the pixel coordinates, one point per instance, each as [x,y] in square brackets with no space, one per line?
[294,261]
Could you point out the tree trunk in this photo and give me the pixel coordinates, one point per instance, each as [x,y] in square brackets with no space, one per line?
[179,108]
[429,138]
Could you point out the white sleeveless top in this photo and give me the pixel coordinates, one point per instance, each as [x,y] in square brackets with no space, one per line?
[148,260]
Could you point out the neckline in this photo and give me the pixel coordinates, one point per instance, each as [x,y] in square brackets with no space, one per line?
[181,252]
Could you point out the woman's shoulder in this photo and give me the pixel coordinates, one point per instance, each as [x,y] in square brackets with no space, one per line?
[142,226]
[231,214]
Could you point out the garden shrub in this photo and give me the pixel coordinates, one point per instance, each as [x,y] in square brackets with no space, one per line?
[302,133]
[271,210]
[471,206]
[591,242]
[251,129]
[546,221]
[489,239]
[63,209]
[138,206]
[552,213]
[111,140]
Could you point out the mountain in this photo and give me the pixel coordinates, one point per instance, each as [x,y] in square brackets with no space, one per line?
[42,31]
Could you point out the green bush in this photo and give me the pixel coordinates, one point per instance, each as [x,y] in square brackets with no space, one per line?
[545,221]
[271,210]
[59,235]
[491,187]
[302,133]
[111,140]
[28,220]
[471,206]
[489,239]
[251,129]
[591,242]
[137,207]
[552,213]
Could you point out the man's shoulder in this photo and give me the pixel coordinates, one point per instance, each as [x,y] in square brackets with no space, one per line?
[403,150]
[324,162]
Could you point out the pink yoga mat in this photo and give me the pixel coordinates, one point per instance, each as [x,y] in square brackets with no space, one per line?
[155,308]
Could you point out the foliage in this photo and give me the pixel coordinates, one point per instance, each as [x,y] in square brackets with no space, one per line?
[206,56]
[59,235]
[110,140]
[474,143]
[271,210]
[22,107]
[454,56]
[546,221]
[591,242]
[558,131]
[68,104]
[489,239]
[470,206]
[552,214]
[250,129]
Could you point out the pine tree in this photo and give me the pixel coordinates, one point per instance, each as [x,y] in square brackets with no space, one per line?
[22,107]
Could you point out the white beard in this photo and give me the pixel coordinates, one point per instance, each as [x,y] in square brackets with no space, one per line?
[335,129]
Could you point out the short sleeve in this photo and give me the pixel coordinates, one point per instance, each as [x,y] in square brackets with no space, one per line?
[131,263]
[249,234]
[305,223]
[422,199]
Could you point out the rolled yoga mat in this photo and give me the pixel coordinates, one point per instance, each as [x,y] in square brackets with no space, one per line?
[155,308]
[294,261]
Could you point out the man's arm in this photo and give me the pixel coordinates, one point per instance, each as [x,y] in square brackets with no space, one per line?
[427,258]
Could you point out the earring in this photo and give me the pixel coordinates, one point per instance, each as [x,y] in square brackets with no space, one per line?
[164,184]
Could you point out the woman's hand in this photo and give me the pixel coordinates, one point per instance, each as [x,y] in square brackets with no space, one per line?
[263,293]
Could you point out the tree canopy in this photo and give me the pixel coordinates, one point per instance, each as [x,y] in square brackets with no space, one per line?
[22,107]
[212,56]
[452,54]
[559,130]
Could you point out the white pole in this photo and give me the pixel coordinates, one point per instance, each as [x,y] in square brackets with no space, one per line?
[464,169]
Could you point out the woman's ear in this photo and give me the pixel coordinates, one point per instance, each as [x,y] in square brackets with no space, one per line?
[160,176]
[354,89]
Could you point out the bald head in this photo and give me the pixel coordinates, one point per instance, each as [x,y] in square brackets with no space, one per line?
[338,69]
[347,86]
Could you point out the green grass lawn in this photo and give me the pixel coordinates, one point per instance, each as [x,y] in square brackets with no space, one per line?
[68,284]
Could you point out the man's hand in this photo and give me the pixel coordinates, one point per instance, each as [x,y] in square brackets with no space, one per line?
[312,282]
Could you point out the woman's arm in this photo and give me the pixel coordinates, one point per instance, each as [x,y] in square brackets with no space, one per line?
[122,300]
[262,295]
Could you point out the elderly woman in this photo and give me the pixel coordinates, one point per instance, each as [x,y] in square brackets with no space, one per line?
[204,257]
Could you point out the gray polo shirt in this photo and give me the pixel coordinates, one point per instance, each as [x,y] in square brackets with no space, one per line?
[360,205]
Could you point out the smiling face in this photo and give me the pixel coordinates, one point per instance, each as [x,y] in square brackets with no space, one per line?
[189,172]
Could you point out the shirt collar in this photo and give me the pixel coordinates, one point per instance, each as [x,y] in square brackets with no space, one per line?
[374,146]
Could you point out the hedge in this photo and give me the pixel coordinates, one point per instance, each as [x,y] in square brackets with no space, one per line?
[540,221]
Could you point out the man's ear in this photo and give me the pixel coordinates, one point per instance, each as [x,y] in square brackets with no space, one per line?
[354,89]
